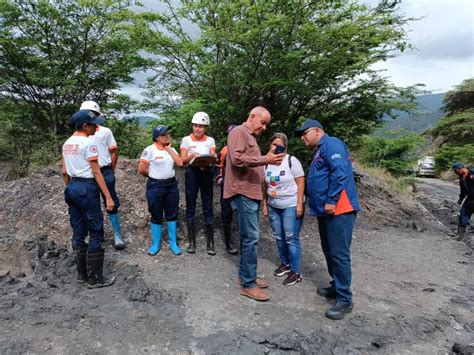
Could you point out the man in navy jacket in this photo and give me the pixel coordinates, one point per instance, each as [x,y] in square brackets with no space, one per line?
[332,197]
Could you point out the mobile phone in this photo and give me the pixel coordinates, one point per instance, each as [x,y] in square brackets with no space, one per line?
[279,149]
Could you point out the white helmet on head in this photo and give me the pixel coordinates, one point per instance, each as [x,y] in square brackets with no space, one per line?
[90,105]
[201,118]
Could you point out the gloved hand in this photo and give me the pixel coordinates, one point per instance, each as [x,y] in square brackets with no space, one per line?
[459,201]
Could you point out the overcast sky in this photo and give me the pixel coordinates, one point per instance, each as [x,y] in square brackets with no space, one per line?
[444,38]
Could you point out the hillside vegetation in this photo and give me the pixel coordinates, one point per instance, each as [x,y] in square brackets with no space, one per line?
[453,136]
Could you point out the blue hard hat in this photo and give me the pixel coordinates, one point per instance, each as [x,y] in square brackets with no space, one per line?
[457,166]
[160,130]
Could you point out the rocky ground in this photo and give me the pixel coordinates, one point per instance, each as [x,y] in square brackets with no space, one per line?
[412,282]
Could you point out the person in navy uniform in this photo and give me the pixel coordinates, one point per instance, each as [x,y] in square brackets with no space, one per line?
[199,179]
[84,183]
[108,157]
[157,163]
[332,197]
[226,207]
[466,197]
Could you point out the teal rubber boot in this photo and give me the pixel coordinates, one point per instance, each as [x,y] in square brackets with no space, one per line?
[115,222]
[155,239]
[172,238]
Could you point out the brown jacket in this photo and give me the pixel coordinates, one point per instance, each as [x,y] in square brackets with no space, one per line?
[244,165]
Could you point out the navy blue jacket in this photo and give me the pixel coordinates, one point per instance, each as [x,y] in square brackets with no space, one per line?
[330,179]
[466,183]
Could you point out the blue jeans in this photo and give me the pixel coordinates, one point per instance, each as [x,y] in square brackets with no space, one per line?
[286,229]
[83,199]
[109,178]
[196,180]
[162,196]
[466,212]
[248,214]
[336,238]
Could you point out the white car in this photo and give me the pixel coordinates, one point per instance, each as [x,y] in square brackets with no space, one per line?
[426,167]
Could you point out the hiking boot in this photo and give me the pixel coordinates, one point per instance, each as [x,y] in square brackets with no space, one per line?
[260,281]
[338,311]
[328,292]
[292,278]
[282,270]
[255,293]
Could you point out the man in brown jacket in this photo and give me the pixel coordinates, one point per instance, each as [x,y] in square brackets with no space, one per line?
[244,176]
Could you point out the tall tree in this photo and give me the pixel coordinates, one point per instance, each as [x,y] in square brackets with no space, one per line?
[298,58]
[461,98]
[55,54]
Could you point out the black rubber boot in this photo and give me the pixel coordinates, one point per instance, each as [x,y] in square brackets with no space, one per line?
[80,254]
[210,239]
[191,249]
[229,247]
[461,233]
[95,262]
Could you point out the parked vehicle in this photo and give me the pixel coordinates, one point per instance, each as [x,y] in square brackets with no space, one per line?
[426,167]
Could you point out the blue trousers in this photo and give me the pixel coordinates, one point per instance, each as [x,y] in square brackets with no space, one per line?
[226,207]
[336,238]
[162,196]
[286,229]
[195,180]
[109,178]
[248,214]
[467,209]
[83,199]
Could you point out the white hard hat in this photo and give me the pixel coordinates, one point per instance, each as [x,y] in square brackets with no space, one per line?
[90,105]
[201,118]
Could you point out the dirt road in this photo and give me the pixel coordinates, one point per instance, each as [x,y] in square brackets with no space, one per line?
[413,288]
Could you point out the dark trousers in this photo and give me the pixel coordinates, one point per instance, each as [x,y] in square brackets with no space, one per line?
[162,196]
[197,179]
[226,208]
[336,238]
[109,178]
[83,199]
[467,209]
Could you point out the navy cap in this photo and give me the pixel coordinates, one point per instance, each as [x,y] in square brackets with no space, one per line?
[457,166]
[308,124]
[160,130]
[86,116]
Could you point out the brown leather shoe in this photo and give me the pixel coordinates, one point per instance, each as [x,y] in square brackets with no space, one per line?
[255,293]
[260,281]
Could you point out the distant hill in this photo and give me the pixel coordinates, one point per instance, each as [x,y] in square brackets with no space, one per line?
[142,119]
[428,115]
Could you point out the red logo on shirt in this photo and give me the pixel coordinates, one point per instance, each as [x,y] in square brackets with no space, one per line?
[93,149]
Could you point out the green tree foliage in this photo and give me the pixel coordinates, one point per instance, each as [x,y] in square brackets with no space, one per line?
[297,58]
[130,137]
[461,98]
[54,55]
[446,156]
[396,155]
[453,136]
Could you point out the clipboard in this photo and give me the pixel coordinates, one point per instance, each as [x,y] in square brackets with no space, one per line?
[202,161]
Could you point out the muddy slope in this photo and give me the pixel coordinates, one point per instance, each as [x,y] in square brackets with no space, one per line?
[413,286]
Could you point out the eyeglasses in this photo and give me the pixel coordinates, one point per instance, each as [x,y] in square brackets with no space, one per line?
[308,130]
